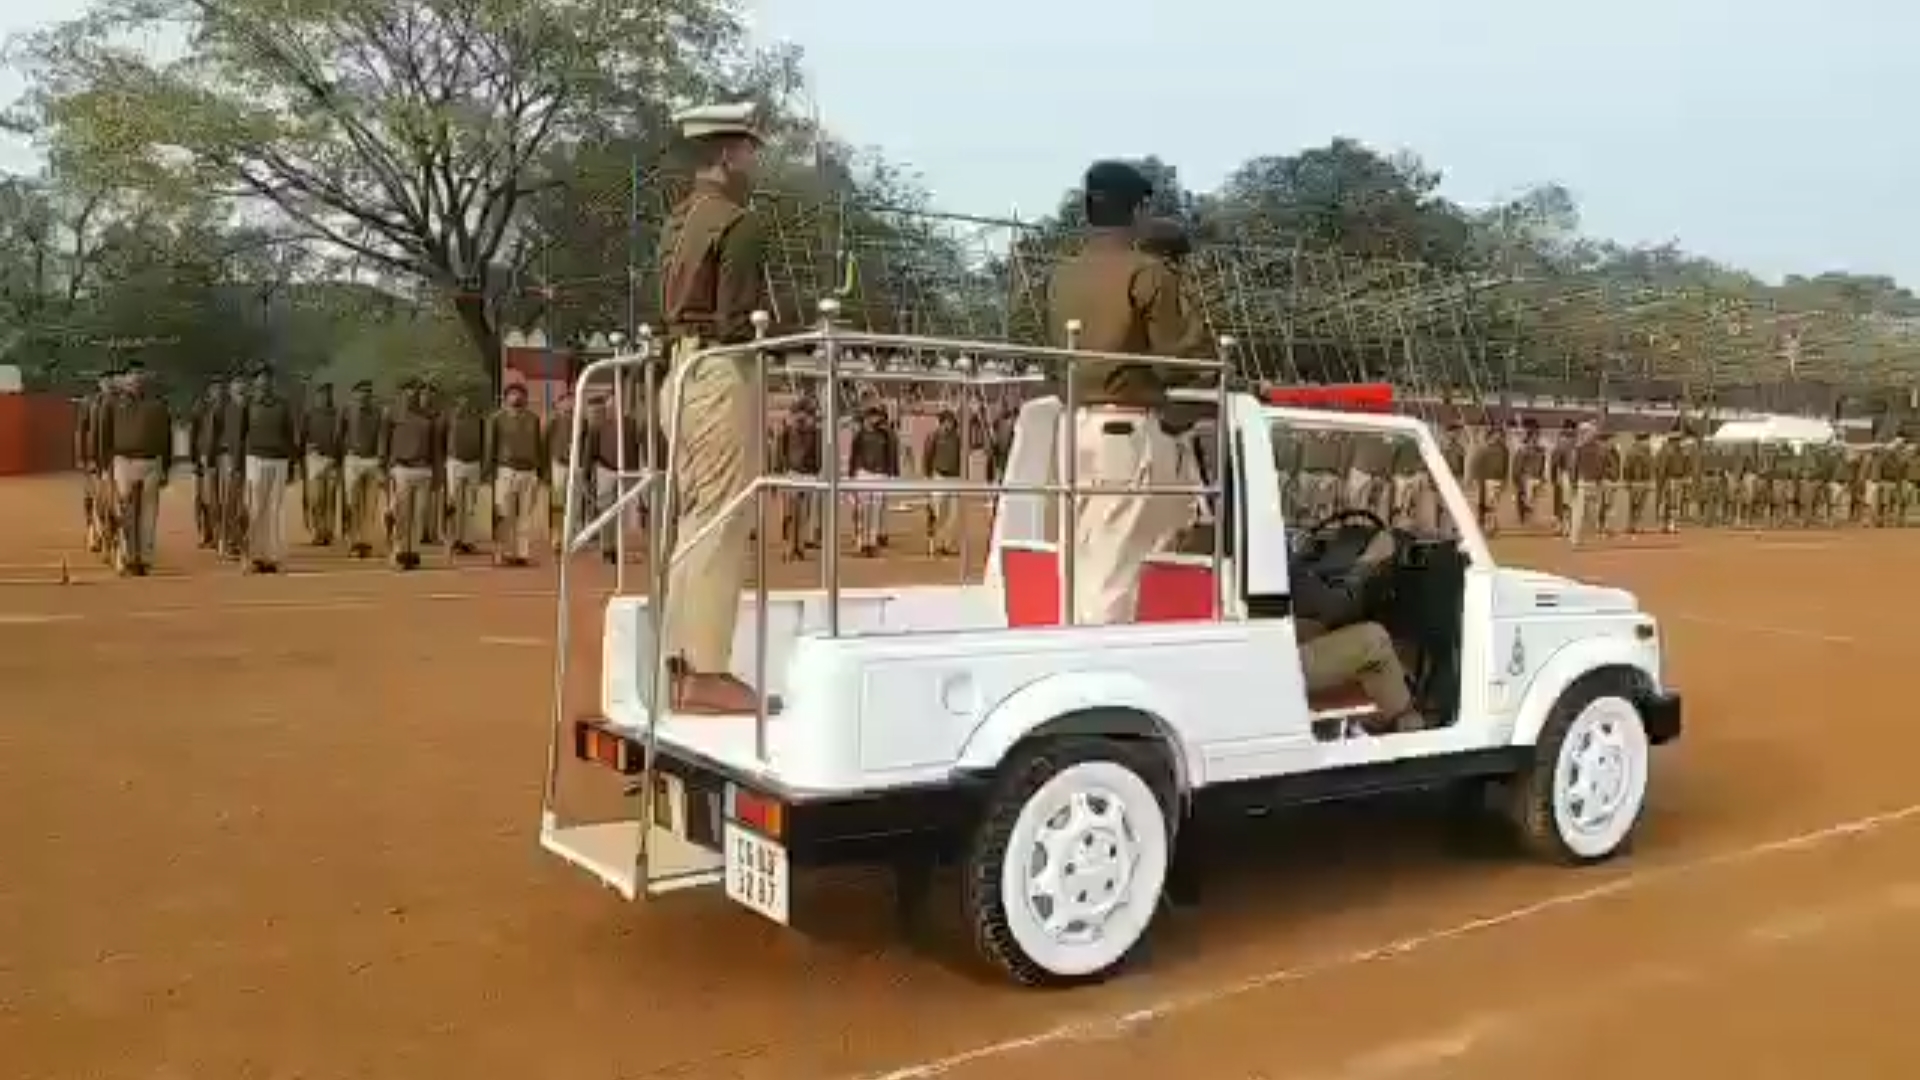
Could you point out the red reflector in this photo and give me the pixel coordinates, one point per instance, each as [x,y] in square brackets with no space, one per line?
[755,811]
[591,742]
[1343,397]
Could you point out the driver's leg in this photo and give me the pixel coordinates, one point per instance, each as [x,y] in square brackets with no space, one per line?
[1362,653]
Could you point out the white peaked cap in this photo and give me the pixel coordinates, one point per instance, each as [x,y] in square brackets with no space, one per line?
[740,118]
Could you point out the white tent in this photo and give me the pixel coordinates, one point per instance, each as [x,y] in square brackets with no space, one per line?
[1796,430]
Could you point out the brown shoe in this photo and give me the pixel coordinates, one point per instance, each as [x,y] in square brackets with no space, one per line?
[713,695]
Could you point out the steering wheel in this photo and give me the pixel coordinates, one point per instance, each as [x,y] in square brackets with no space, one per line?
[1336,544]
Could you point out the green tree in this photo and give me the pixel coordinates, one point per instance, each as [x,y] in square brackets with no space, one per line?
[410,133]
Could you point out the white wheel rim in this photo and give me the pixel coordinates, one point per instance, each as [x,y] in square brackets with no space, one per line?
[1084,868]
[1600,778]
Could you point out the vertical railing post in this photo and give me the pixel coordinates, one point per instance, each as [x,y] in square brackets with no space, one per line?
[1217,483]
[620,481]
[1067,446]
[757,449]
[830,524]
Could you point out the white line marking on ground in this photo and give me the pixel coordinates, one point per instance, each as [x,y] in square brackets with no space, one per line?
[267,605]
[1770,630]
[515,642]
[1104,1027]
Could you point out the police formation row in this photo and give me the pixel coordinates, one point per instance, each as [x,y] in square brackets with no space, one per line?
[403,473]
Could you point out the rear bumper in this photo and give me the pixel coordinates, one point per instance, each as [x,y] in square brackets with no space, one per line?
[818,828]
[1661,713]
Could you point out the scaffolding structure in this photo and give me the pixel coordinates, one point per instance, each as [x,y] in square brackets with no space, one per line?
[1471,342]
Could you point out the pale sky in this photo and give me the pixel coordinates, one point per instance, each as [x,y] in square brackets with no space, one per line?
[1771,133]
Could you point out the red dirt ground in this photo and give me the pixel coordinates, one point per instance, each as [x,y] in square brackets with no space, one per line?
[286,827]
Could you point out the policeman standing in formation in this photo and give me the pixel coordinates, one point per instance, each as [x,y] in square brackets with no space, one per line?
[712,281]
[515,464]
[1125,301]
[134,438]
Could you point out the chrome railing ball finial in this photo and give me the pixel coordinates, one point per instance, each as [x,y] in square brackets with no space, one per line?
[829,309]
[760,320]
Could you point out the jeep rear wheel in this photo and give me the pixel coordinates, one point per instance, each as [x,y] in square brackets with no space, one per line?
[1066,871]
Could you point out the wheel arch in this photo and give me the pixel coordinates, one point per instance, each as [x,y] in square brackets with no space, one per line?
[1576,669]
[1110,705]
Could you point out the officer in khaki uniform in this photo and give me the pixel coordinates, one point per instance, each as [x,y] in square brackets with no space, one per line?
[1673,467]
[944,457]
[712,281]
[1593,458]
[1488,466]
[272,440]
[233,470]
[86,455]
[135,437]
[361,476]
[463,441]
[1909,482]
[1836,464]
[1529,472]
[409,459]
[1560,476]
[1637,471]
[1412,487]
[320,469]
[203,443]
[1810,486]
[515,463]
[1742,464]
[1124,301]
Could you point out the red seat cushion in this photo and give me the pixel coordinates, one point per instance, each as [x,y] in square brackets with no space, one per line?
[1173,588]
[1030,577]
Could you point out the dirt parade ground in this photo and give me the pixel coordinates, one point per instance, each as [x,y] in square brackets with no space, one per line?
[277,827]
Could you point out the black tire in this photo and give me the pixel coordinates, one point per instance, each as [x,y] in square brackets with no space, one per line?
[1025,772]
[1531,795]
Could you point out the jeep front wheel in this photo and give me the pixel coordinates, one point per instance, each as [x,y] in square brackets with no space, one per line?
[1584,793]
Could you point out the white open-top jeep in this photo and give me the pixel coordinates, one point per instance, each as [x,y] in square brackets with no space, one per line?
[1056,764]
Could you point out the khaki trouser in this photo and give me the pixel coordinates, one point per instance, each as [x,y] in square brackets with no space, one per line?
[266,499]
[1562,484]
[799,519]
[464,487]
[1839,506]
[560,485]
[944,510]
[96,494]
[717,446]
[1589,509]
[1362,491]
[136,489]
[1362,653]
[410,486]
[323,497]
[1672,497]
[607,490]
[869,512]
[1319,495]
[518,508]
[206,501]
[1120,448]
[1488,495]
[233,503]
[1526,498]
[1639,501]
[361,506]
[1413,500]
